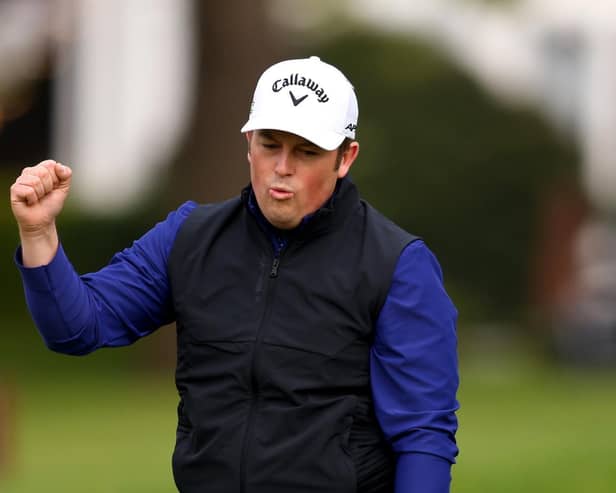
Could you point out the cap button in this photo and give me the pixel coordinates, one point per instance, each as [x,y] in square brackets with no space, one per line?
[315,58]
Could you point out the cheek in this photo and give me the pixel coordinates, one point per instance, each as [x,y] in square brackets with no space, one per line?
[318,187]
[257,171]
[253,176]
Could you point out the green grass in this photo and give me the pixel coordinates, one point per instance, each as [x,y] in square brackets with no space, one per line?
[524,427]
[93,433]
[531,428]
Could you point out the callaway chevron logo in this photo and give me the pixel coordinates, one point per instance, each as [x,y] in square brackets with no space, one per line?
[300,80]
[295,100]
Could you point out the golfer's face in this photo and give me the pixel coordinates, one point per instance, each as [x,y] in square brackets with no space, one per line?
[291,177]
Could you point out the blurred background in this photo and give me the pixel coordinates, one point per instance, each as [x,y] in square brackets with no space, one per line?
[487,128]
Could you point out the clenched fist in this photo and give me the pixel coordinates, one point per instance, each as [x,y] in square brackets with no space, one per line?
[37,197]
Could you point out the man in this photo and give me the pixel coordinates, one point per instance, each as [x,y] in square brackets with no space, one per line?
[316,344]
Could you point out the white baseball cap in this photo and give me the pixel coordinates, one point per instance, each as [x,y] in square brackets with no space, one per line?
[306,97]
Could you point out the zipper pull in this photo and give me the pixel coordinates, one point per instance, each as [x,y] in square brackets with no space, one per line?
[275,264]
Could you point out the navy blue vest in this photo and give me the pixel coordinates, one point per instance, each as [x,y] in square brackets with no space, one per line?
[273,353]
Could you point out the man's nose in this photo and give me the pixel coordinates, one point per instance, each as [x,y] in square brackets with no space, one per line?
[284,163]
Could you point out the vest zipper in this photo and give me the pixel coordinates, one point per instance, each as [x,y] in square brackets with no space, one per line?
[275,264]
[278,248]
[273,274]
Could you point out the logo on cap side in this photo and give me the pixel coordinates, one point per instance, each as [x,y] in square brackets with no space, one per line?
[297,80]
[295,100]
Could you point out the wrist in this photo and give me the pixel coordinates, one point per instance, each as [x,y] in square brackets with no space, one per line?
[38,245]
[37,232]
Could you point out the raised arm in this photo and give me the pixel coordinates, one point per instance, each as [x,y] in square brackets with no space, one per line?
[122,302]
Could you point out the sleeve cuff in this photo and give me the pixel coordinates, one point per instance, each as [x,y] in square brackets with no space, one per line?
[40,278]
[422,473]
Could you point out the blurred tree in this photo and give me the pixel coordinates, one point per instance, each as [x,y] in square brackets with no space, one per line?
[452,165]
[236,43]
[25,125]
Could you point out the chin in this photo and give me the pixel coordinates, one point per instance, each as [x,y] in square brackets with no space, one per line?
[282,222]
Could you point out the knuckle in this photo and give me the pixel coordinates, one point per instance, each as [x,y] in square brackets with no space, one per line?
[27,179]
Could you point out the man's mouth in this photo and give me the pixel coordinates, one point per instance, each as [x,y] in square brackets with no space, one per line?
[280,193]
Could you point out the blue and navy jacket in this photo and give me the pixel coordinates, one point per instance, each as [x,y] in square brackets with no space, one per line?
[319,358]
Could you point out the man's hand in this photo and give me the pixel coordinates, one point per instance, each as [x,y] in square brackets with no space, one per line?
[37,197]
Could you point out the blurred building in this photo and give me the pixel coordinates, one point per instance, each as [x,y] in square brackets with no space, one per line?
[125,86]
[122,79]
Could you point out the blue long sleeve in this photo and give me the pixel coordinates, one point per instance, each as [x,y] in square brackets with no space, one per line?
[126,300]
[414,373]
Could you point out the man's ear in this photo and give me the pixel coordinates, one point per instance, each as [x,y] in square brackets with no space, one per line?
[348,158]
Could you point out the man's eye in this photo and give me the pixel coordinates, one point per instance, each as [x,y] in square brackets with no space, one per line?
[269,145]
[309,152]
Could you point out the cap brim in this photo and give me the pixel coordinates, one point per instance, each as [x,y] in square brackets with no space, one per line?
[327,140]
